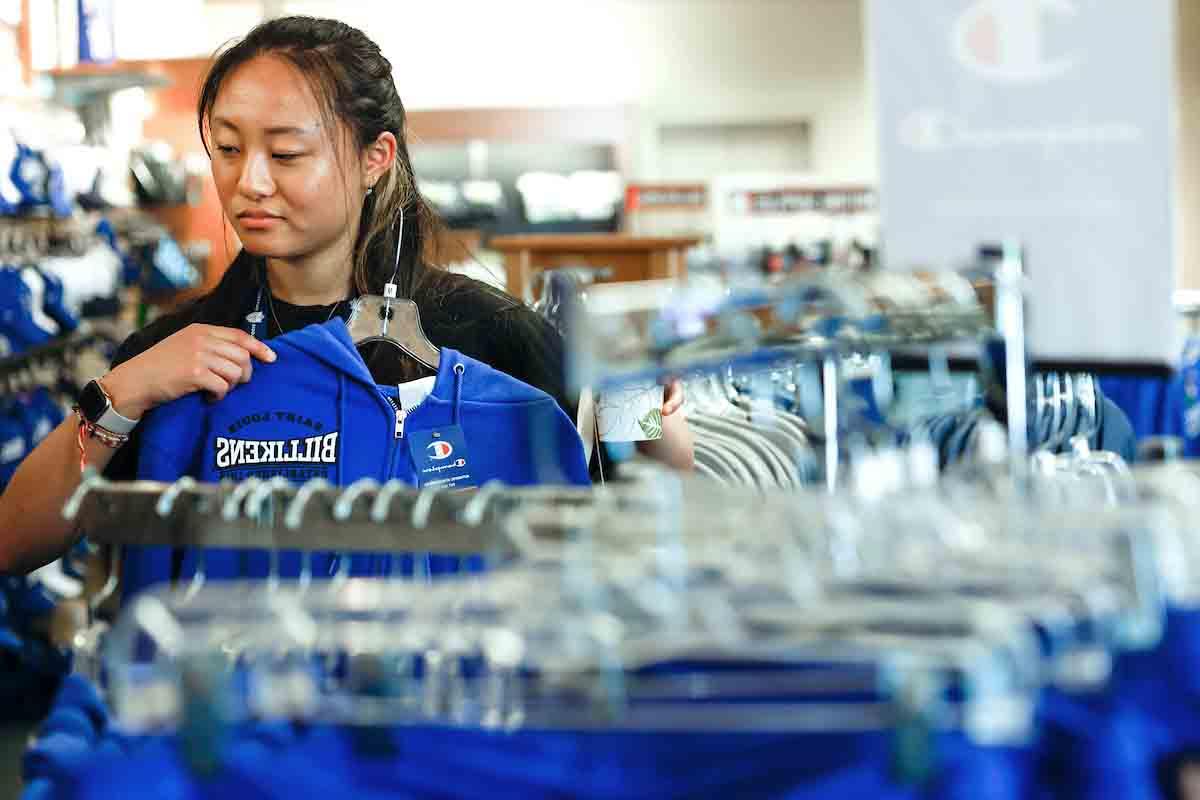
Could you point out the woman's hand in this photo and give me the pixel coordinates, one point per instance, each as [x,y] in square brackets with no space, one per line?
[198,358]
[675,447]
[672,398]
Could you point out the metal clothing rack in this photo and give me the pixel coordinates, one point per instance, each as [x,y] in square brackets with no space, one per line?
[969,624]
[655,329]
[618,334]
[363,517]
[56,352]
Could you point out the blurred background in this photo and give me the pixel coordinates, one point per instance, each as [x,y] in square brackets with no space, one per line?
[732,141]
[724,137]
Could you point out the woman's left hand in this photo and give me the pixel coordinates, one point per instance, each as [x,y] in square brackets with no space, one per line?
[675,448]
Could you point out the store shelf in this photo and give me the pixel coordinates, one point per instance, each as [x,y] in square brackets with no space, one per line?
[80,84]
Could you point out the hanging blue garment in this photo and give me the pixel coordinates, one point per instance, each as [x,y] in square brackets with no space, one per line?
[30,665]
[40,183]
[420,761]
[39,415]
[432,761]
[1145,401]
[14,443]
[24,422]
[53,305]
[1181,405]
[316,412]
[131,268]
[1127,739]
[17,324]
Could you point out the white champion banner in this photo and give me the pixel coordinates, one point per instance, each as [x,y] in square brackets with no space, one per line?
[1045,120]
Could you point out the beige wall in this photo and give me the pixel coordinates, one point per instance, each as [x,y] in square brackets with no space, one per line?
[1187,164]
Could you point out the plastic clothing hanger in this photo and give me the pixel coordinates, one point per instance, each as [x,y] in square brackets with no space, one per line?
[393,320]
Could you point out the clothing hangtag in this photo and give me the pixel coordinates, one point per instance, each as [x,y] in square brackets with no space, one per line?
[440,457]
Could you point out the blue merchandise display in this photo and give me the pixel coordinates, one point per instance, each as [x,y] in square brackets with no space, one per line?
[14,444]
[1181,405]
[952,434]
[131,269]
[426,761]
[39,182]
[31,666]
[53,305]
[24,422]
[170,270]
[17,324]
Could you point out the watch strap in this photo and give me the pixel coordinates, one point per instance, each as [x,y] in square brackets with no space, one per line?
[115,422]
[111,419]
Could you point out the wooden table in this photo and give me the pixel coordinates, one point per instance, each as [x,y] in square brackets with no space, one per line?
[630,258]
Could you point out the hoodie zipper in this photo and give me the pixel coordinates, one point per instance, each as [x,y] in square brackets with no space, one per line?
[377,564]
[401,414]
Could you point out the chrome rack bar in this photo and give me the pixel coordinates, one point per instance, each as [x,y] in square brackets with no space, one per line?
[157,514]
[363,517]
[1010,313]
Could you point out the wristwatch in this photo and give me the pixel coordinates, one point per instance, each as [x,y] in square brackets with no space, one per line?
[96,407]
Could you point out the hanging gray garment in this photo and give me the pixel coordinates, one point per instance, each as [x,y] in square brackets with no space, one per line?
[769,464]
[760,472]
[714,460]
[795,431]
[805,455]
[748,474]
[740,472]
[782,426]
[781,469]
[704,470]
[784,450]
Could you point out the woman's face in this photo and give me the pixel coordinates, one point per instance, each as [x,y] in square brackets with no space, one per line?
[278,173]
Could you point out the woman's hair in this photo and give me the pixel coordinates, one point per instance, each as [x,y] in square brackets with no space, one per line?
[353,84]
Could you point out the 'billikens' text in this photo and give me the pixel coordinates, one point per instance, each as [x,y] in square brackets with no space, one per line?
[312,450]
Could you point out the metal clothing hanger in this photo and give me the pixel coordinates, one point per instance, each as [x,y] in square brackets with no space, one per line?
[393,320]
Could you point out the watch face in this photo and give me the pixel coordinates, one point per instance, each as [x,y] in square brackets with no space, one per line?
[92,401]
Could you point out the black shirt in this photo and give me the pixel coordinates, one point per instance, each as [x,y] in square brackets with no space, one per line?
[456,312]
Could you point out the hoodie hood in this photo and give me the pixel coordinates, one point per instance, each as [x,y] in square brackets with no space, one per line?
[330,343]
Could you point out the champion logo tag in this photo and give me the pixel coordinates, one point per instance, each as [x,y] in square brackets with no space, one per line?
[440,450]
[440,457]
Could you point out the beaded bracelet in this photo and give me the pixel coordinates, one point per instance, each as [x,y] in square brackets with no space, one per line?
[90,430]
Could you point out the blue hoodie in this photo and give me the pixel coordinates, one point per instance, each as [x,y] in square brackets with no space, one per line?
[316,412]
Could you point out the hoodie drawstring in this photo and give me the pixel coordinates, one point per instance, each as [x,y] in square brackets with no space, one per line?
[459,369]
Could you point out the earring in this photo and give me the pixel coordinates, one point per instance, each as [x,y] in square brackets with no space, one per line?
[369,190]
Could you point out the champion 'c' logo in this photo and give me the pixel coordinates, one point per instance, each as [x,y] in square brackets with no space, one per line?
[1005,40]
[439,450]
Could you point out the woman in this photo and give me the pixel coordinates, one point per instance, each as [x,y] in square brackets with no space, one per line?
[305,132]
